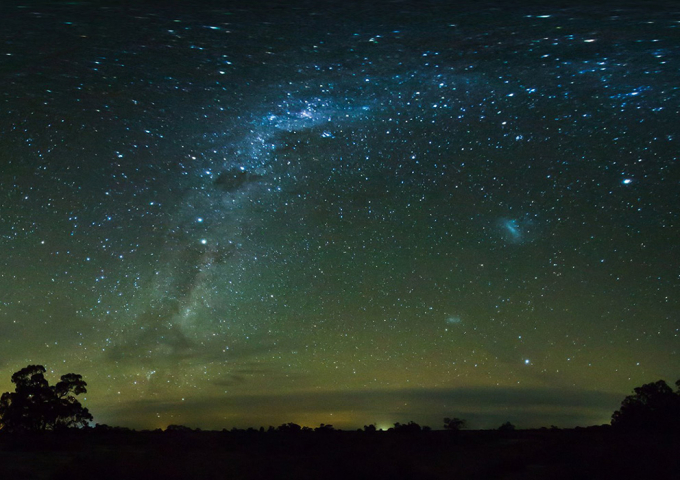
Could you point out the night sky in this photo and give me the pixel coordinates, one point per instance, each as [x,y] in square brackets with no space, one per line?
[244,216]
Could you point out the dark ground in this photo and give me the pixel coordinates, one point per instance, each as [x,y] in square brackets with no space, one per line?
[538,454]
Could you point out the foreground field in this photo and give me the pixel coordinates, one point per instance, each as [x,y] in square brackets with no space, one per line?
[538,454]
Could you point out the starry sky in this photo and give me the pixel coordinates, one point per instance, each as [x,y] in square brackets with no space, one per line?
[321,213]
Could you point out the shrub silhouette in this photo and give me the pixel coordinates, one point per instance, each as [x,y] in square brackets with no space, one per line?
[36,406]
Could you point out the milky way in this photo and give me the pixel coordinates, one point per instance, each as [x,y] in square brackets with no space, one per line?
[248,216]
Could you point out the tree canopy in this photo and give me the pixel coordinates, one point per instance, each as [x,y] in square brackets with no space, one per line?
[35,406]
[653,407]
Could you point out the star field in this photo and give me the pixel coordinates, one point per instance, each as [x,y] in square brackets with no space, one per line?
[240,217]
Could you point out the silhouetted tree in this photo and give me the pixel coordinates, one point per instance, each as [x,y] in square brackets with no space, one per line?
[36,406]
[369,428]
[653,407]
[506,427]
[454,424]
